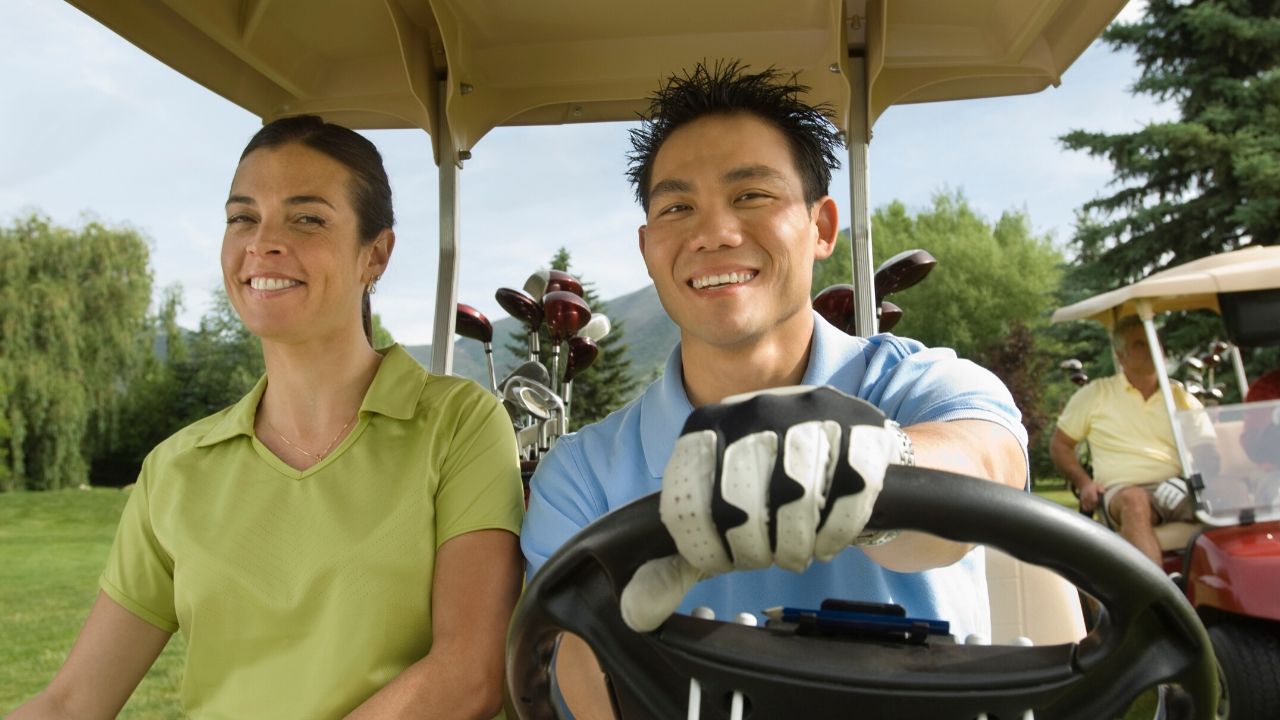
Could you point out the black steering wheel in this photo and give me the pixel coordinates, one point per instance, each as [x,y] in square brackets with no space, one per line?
[1149,633]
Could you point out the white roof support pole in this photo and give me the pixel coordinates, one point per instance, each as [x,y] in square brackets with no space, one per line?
[1166,391]
[447,276]
[1237,362]
[857,138]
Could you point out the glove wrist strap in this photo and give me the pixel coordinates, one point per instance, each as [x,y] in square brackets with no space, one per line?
[906,456]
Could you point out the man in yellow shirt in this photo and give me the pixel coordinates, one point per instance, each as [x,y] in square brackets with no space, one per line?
[1131,443]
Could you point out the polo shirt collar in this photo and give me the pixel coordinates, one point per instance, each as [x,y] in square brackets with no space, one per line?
[238,419]
[394,393]
[665,405]
[663,410]
[397,385]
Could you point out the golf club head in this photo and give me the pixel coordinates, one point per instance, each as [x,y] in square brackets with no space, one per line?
[520,306]
[536,285]
[1211,360]
[558,280]
[530,369]
[583,351]
[835,305]
[1079,378]
[1071,365]
[1218,347]
[597,328]
[1194,363]
[531,396]
[890,314]
[1195,388]
[902,271]
[566,314]
[1215,392]
[471,323]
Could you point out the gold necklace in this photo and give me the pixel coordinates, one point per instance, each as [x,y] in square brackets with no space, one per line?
[327,448]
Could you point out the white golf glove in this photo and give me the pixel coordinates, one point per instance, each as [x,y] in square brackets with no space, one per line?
[779,477]
[1170,494]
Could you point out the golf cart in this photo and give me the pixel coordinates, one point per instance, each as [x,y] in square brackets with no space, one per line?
[459,68]
[1229,558]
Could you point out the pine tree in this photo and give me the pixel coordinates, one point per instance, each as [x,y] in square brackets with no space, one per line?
[605,386]
[1209,181]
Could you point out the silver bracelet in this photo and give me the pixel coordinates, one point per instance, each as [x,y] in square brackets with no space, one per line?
[906,450]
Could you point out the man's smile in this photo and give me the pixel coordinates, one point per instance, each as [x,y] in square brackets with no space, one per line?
[715,280]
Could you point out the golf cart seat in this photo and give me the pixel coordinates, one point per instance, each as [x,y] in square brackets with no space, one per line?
[1032,602]
[1176,535]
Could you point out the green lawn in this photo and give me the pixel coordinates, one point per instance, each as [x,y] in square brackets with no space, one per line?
[54,545]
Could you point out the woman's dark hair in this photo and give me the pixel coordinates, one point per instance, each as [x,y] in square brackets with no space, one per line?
[370,189]
[726,89]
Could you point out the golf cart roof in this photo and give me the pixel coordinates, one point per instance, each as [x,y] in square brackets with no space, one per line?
[1191,286]
[374,64]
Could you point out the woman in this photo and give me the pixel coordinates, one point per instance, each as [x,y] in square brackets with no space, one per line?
[341,541]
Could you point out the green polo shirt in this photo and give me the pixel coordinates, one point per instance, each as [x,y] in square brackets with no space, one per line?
[303,592]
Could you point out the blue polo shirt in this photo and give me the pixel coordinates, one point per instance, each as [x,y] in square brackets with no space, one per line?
[621,458]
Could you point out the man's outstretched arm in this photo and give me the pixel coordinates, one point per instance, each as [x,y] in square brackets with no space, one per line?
[969,447]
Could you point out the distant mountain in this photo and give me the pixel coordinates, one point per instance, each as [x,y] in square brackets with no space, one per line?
[648,333]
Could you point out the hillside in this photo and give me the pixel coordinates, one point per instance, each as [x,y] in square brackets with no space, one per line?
[649,336]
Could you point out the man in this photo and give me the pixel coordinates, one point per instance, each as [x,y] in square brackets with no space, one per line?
[1124,419]
[732,171]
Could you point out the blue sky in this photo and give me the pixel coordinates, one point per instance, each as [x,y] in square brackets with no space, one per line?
[94,127]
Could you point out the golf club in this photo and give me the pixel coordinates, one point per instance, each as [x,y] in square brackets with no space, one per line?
[525,309]
[736,706]
[565,313]
[536,285]
[471,323]
[560,280]
[890,314]
[835,305]
[902,271]
[597,328]
[1074,370]
[542,403]
[531,369]
[582,352]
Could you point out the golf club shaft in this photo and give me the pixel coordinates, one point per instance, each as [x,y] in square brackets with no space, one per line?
[568,397]
[493,376]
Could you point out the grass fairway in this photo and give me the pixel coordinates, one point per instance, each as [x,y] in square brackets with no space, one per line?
[54,546]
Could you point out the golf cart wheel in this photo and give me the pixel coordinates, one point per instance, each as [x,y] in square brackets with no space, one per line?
[1249,663]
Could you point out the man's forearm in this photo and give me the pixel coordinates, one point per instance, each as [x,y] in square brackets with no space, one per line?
[969,447]
[1064,458]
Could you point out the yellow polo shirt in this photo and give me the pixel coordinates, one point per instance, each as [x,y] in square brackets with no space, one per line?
[303,592]
[1130,440]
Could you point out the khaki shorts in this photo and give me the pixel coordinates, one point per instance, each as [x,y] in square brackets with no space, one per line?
[1181,513]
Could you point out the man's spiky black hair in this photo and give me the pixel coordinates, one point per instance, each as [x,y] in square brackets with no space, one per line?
[727,89]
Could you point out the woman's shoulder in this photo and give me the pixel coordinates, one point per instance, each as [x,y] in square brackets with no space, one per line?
[191,437]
